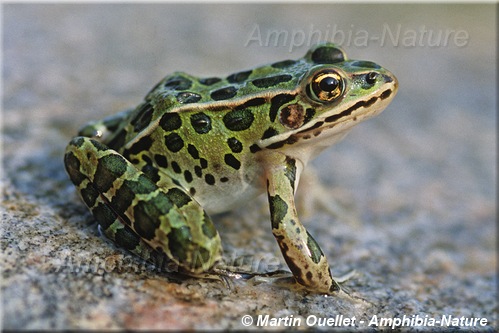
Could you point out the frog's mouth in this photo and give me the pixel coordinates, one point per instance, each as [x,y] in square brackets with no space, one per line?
[332,128]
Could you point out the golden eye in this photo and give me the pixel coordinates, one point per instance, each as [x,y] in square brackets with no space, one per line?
[326,86]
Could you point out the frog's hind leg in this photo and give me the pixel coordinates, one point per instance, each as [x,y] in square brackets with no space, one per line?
[133,211]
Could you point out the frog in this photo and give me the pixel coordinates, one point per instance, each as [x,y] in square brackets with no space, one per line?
[152,176]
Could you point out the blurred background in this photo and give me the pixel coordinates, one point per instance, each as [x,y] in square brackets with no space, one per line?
[418,181]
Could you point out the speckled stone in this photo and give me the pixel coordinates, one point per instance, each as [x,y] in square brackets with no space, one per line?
[416,185]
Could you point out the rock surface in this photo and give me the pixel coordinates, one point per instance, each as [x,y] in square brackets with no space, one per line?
[417,183]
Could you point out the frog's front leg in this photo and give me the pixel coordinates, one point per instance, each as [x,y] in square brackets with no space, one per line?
[137,214]
[301,252]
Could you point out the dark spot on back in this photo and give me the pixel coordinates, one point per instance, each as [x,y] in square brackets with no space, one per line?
[198,171]
[170,121]
[201,123]
[118,141]
[231,161]
[161,161]
[178,83]
[143,144]
[203,162]
[238,120]
[143,117]
[174,142]
[271,81]
[235,145]
[176,168]
[188,97]
[239,77]
[192,150]
[210,180]
[209,80]
[223,93]
[188,176]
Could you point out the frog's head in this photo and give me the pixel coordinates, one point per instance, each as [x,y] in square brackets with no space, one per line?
[333,95]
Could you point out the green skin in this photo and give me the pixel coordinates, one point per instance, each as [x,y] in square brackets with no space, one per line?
[151,175]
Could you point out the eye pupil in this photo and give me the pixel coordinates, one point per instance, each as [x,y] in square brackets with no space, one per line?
[371,77]
[328,84]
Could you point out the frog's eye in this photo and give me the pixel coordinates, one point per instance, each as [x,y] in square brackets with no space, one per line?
[326,86]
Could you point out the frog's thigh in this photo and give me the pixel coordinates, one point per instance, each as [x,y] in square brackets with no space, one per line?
[166,219]
[301,252]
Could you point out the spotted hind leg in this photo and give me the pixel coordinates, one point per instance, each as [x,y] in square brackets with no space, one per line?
[137,214]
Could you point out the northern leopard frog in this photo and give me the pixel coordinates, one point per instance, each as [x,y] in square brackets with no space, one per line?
[194,146]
